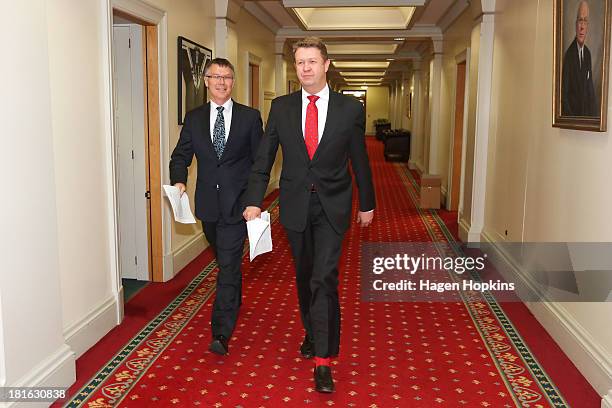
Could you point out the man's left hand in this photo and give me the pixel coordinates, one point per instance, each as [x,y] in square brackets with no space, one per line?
[365,218]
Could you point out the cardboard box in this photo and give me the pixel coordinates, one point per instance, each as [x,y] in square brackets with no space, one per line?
[430,191]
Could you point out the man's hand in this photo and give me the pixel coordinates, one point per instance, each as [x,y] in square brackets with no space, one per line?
[365,218]
[251,212]
[181,188]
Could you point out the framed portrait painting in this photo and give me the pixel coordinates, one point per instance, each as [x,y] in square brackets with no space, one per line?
[192,57]
[581,56]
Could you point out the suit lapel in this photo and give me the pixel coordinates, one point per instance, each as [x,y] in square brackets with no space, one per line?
[206,128]
[296,123]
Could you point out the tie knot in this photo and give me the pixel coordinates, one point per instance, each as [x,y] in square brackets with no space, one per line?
[220,109]
[313,98]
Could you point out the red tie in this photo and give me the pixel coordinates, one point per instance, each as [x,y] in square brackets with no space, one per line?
[311,128]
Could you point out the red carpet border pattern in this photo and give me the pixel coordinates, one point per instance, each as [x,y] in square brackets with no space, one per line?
[426,354]
[524,376]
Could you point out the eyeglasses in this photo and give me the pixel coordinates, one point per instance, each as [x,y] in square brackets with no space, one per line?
[220,78]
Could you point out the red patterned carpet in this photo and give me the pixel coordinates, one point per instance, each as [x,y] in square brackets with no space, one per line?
[401,354]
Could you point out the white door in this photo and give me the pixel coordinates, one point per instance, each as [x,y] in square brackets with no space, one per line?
[128,80]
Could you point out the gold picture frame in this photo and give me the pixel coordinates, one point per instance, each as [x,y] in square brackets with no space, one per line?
[580,80]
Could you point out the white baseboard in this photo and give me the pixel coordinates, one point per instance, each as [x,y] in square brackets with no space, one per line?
[412,165]
[188,252]
[606,402]
[57,370]
[464,230]
[168,267]
[83,334]
[419,167]
[586,353]
[443,198]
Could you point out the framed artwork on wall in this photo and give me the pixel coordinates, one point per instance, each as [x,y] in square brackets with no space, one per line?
[581,55]
[192,57]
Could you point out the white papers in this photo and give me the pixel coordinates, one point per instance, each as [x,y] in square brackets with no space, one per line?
[180,205]
[260,235]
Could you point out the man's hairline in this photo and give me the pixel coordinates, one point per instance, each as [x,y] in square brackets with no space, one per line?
[309,46]
[586,3]
[220,66]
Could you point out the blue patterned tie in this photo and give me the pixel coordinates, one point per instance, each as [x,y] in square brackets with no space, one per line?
[219,133]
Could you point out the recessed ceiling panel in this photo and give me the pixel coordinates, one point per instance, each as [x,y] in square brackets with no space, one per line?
[360,64]
[361,73]
[355,18]
[361,48]
[362,80]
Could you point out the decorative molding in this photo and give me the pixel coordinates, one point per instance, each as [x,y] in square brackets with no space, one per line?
[264,18]
[606,402]
[140,9]
[57,370]
[228,9]
[352,3]
[483,118]
[488,6]
[168,267]
[269,95]
[461,57]
[251,58]
[464,229]
[418,31]
[86,332]
[452,14]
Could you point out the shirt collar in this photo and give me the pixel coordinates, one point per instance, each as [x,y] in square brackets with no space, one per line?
[322,94]
[227,106]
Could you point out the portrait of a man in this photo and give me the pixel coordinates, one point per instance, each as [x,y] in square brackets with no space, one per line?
[582,38]
[577,91]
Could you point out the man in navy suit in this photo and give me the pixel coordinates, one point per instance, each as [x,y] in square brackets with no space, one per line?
[224,136]
[577,91]
[320,133]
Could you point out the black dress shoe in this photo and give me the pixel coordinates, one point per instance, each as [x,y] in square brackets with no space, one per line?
[307,348]
[219,345]
[323,379]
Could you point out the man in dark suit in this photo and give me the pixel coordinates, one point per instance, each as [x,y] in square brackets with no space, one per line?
[577,91]
[224,136]
[319,132]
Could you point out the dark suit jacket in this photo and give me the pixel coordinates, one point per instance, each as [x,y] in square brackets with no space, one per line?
[577,91]
[343,139]
[230,173]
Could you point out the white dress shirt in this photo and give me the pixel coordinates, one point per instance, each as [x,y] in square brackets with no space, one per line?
[227,117]
[321,103]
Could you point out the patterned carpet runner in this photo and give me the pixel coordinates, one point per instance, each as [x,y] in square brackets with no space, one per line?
[398,354]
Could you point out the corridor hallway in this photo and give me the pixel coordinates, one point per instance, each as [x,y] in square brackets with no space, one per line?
[393,354]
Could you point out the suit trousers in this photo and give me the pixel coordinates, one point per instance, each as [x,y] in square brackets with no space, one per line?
[316,252]
[227,241]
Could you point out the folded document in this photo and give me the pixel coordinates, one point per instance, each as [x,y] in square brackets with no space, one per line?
[180,205]
[260,235]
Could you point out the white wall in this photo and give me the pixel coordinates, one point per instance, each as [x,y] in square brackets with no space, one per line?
[32,349]
[377,106]
[545,184]
[81,148]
